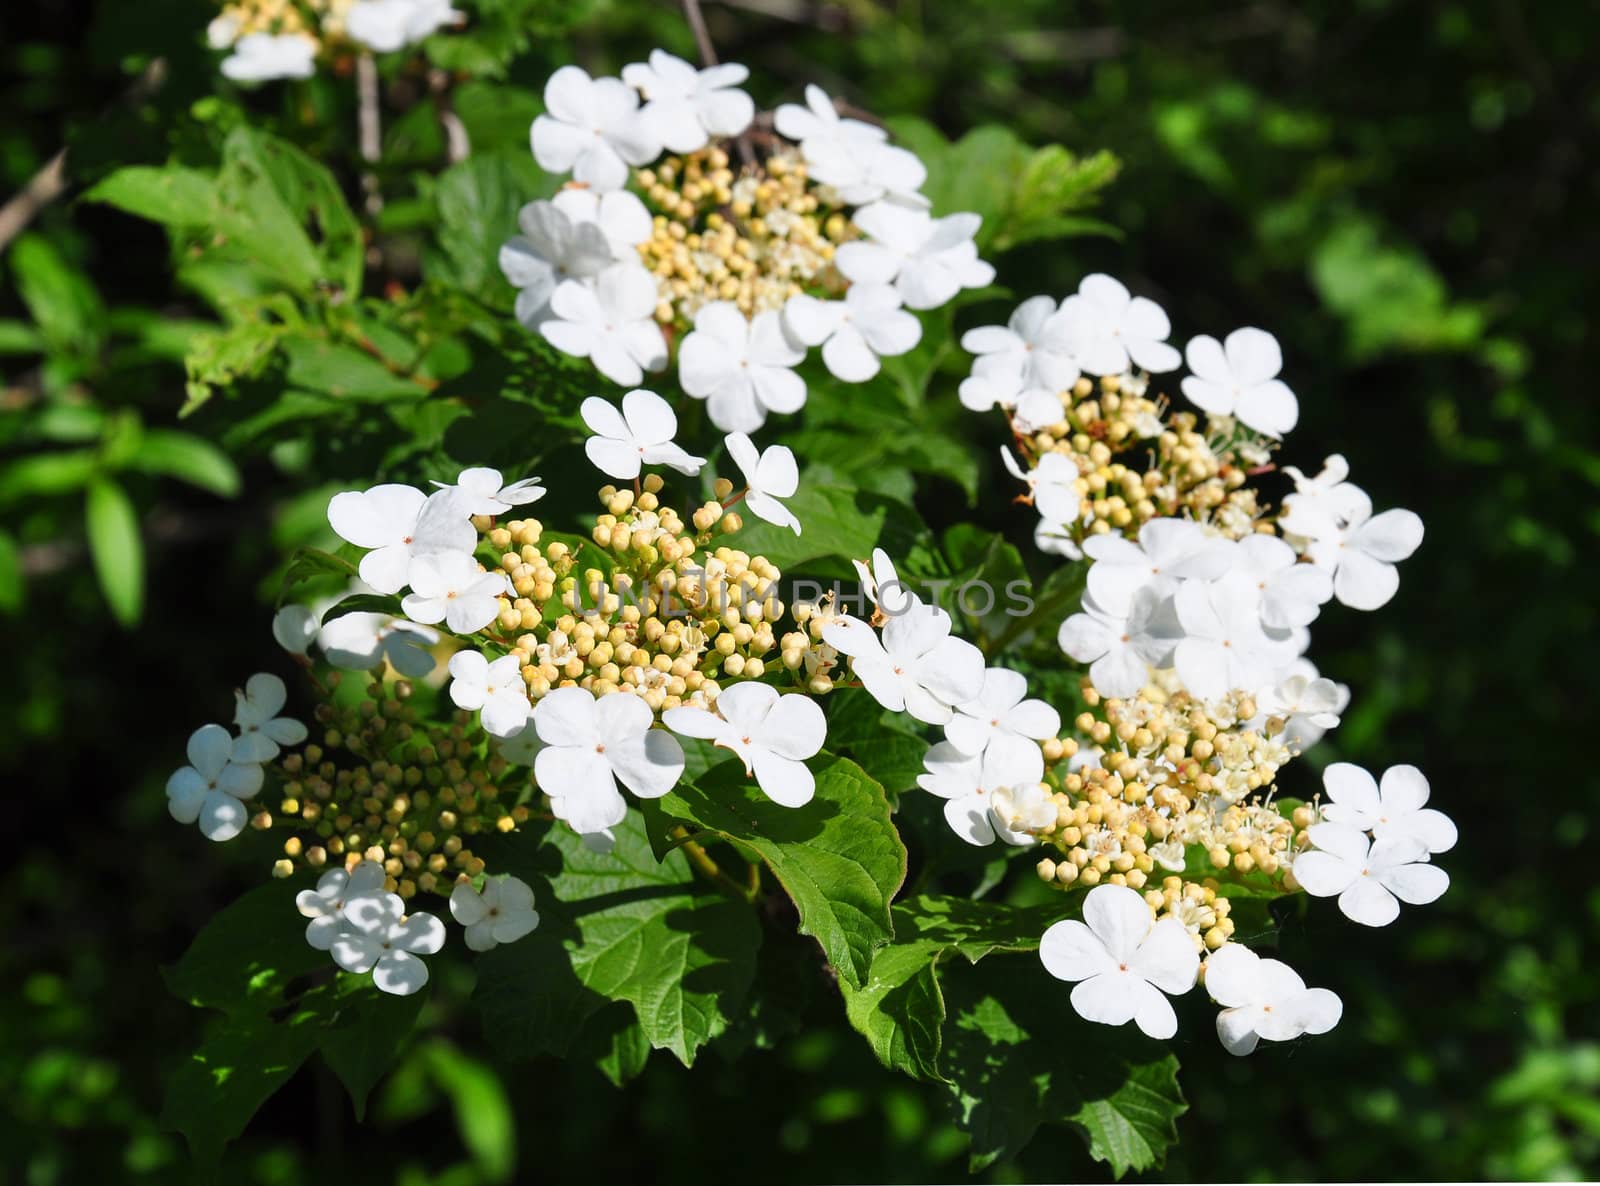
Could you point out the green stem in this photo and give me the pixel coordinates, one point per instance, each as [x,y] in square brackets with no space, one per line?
[701,860]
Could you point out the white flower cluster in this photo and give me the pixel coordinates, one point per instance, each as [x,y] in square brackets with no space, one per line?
[367,930]
[582,283]
[259,54]
[225,771]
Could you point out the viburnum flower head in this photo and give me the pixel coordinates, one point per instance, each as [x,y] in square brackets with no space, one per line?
[980,802]
[398,523]
[263,57]
[927,259]
[1167,549]
[1002,726]
[362,641]
[1264,999]
[1393,809]
[591,744]
[1123,961]
[1370,878]
[1029,352]
[261,729]
[611,322]
[1108,330]
[449,587]
[213,787]
[591,128]
[1359,549]
[384,26]
[502,912]
[496,689]
[324,906]
[854,333]
[916,666]
[741,366]
[686,107]
[483,491]
[1238,378]
[769,475]
[1119,649]
[639,435]
[771,734]
[380,938]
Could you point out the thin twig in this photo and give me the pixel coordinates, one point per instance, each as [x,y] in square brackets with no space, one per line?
[702,38]
[458,145]
[42,189]
[370,124]
[701,860]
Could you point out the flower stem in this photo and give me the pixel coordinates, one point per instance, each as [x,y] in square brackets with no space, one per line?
[701,860]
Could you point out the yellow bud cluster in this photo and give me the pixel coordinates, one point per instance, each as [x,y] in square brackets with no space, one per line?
[322,20]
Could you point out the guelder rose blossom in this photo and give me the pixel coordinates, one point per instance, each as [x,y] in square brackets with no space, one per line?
[1107,329]
[771,734]
[501,912]
[769,475]
[741,366]
[1029,352]
[928,259]
[213,788]
[399,523]
[1238,378]
[1123,961]
[384,26]
[483,491]
[551,249]
[1166,550]
[593,744]
[917,666]
[611,323]
[449,587]
[980,803]
[362,641]
[324,906]
[686,107]
[592,129]
[1120,649]
[640,435]
[496,689]
[1002,726]
[379,937]
[854,333]
[1392,809]
[819,122]
[1370,878]
[261,729]
[263,57]
[1264,999]
[1359,549]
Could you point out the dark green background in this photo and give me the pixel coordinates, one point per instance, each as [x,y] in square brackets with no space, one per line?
[1404,193]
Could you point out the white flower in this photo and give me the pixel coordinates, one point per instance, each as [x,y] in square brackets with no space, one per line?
[1292,594]
[640,435]
[916,667]
[521,747]
[1123,960]
[1239,379]
[398,523]
[854,333]
[1358,548]
[820,120]
[294,628]
[450,587]
[1223,647]
[262,57]
[1368,876]
[483,491]
[379,937]
[1002,726]
[592,128]
[1053,486]
[502,913]
[551,249]
[591,744]
[384,26]
[213,787]
[1167,549]
[768,476]
[612,323]
[1264,998]
[686,107]
[1118,648]
[771,734]
[261,729]
[496,688]
[1030,352]
[1390,810]
[1335,470]
[361,641]
[223,30]
[882,584]
[980,802]
[324,906]
[1107,329]
[741,366]
[862,170]
[1308,704]
[619,214]
[929,260]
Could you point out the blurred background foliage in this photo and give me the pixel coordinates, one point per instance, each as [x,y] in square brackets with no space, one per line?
[1402,191]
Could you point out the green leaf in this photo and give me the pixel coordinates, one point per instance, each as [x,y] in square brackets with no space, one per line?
[219,358]
[344,372]
[882,743]
[48,473]
[364,1043]
[478,200]
[246,956]
[835,521]
[172,194]
[18,337]
[838,857]
[61,299]
[1016,1056]
[309,564]
[11,583]
[117,548]
[188,458]
[617,926]
[482,1110]
[364,603]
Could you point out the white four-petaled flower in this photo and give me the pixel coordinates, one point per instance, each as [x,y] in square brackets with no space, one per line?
[686,107]
[398,523]
[501,913]
[917,666]
[497,689]
[1238,378]
[324,906]
[213,788]
[483,491]
[379,937]
[1108,329]
[590,745]
[854,333]
[928,259]
[384,26]
[1368,876]
[1264,999]
[769,475]
[449,587]
[639,435]
[362,641]
[1003,727]
[1358,548]
[985,800]
[741,366]
[610,321]
[771,734]
[261,729]
[1123,961]
[1393,809]
[591,127]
